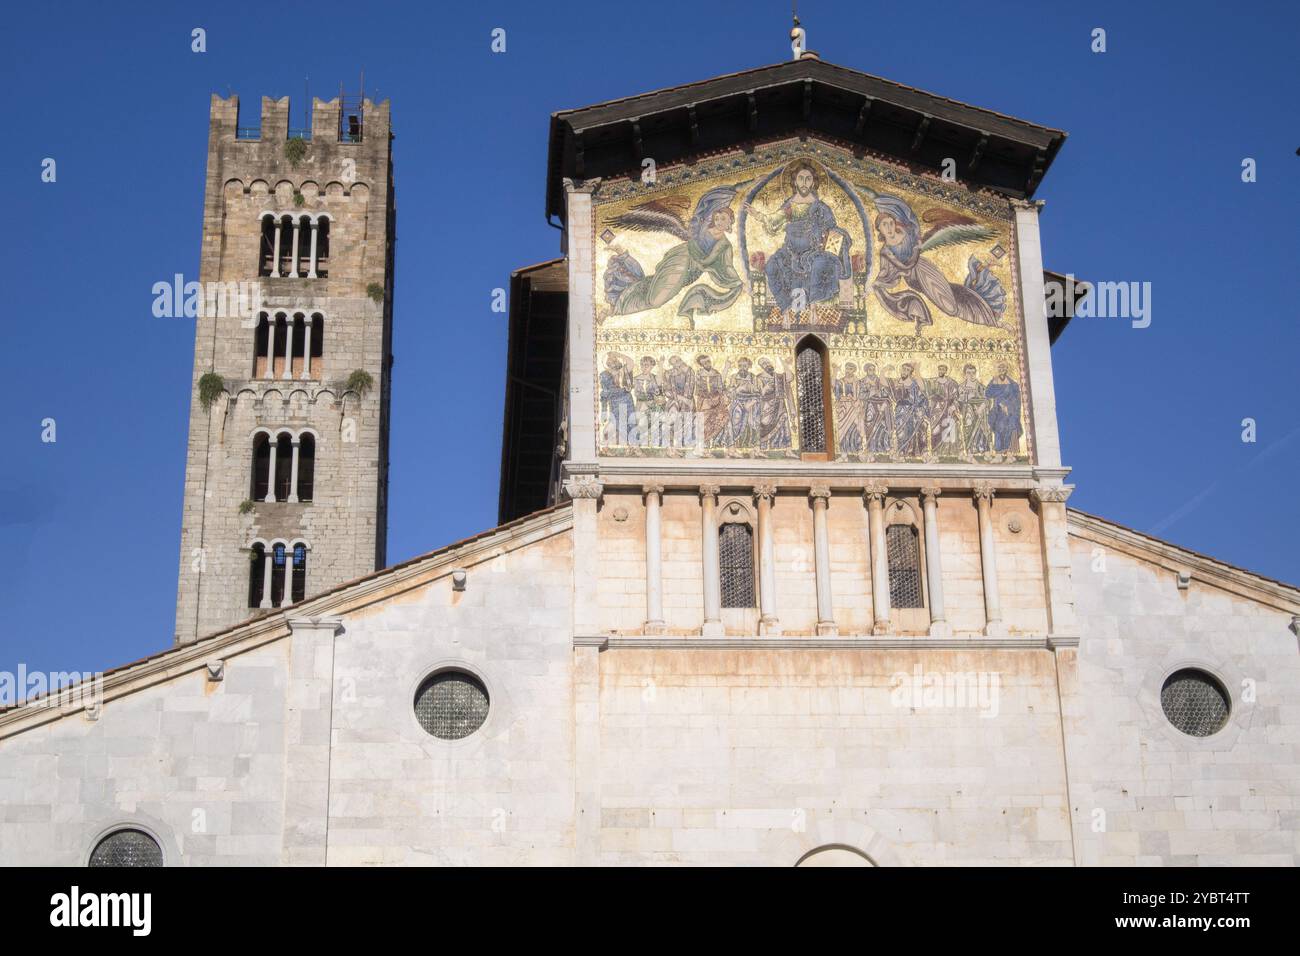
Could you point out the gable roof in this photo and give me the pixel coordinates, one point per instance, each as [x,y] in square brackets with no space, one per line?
[1001,152]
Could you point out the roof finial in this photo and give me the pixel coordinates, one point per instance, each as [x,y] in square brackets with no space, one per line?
[798,38]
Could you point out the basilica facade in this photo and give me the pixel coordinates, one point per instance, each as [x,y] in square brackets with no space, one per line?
[785,572]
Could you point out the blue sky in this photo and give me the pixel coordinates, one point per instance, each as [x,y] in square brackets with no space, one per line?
[1147,188]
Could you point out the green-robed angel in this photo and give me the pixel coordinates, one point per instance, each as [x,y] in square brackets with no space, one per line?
[704,250]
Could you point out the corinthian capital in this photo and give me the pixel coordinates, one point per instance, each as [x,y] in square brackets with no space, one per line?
[709,491]
[764,491]
[931,491]
[819,491]
[652,489]
[875,491]
[983,490]
[583,486]
[1058,493]
[581,185]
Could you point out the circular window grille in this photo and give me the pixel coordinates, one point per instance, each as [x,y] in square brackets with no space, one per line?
[451,705]
[127,848]
[1194,702]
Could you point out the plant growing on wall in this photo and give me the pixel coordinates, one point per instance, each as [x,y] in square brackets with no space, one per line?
[298,198]
[295,149]
[375,291]
[360,381]
[210,386]
[246,506]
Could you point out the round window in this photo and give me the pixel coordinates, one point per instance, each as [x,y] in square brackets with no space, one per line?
[1194,702]
[451,705]
[127,848]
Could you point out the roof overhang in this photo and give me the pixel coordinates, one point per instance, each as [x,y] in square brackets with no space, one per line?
[870,113]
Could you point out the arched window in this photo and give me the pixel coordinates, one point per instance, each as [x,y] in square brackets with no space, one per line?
[266,256]
[298,582]
[286,246]
[127,847]
[814,421]
[322,246]
[257,575]
[261,466]
[306,467]
[279,565]
[903,546]
[736,560]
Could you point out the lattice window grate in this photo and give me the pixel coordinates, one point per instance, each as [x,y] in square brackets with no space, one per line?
[904,550]
[736,554]
[127,848]
[1194,703]
[812,408]
[451,705]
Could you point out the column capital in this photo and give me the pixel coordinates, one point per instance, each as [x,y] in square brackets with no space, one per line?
[1057,493]
[652,489]
[875,491]
[765,491]
[931,492]
[582,185]
[983,490]
[710,491]
[819,491]
[583,486]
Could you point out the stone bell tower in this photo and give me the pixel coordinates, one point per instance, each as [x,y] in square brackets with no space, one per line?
[287,469]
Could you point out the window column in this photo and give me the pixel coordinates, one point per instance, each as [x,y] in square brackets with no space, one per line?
[275,255]
[993,625]
[307,323]
[311,271]
[293,272]
[820,495]
[293,472]
[933,567]
[768,623]
[268,559]
[712,572]
[875,492]
[270,346]
[288,347]
[274,442]
[654,585]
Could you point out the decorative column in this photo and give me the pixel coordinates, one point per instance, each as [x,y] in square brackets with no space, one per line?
[875,492]
[275,255]
[993,625]
[820,495]
[585,490]
[293,271]
[274,445]
[268,561]
[933,564]
[654,571]
[709,555]
[767,622]
[270,346]
[1057,581]
[311,268]
[293,473]
[288,347]
[306,347]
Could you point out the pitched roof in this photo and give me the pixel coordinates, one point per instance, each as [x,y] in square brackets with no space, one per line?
[993,149]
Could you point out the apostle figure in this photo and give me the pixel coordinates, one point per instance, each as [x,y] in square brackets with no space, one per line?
[617,408]
[711,411]
[1004,411]
[802,272]
[745,396]
[649,397]
[777,408]
[877,413]
[679,404]
[945,416]
[910,411]
[974,413]
[846,392]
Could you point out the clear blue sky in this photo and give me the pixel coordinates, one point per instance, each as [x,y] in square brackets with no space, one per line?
[1147,188]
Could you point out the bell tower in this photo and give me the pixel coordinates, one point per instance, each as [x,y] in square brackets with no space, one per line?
[287,469]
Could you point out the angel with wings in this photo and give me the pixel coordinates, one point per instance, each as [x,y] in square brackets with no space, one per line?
[980,300]
[704,248]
